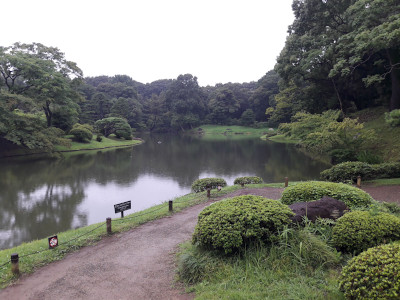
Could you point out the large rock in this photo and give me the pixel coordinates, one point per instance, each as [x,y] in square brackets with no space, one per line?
[326,207]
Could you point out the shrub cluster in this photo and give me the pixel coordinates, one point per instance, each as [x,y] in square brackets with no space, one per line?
[233,223]
[350,171]
[359,230]
[248,180]
[374,274]
[82,132]
[393,118]
[315,190]
[203,184]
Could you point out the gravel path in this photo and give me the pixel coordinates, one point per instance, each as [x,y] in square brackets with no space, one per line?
[138,264]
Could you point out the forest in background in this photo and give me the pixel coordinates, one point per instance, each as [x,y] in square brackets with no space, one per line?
[339,55]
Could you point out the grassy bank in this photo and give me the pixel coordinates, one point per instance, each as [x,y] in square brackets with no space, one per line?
[220,132]
[110,142]
[388,138]
[277,272]
[279,138]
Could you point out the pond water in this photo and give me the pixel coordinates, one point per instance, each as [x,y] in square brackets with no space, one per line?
[39,198]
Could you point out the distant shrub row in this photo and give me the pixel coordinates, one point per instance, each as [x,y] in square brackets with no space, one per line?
[248,180]
[203,184]
[350,170]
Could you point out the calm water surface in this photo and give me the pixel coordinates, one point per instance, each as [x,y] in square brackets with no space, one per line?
[39,198]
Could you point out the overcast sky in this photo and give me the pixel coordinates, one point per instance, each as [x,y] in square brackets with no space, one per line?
[218,41]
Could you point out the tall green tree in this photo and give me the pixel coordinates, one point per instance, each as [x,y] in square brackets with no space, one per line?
[185,102]
[373,38]
[41,73]
[223,106]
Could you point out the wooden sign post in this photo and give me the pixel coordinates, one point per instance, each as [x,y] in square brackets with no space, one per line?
[121,207]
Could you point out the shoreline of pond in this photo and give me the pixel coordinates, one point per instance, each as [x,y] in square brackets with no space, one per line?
[133,142]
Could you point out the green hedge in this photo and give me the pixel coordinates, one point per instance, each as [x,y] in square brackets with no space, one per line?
[315,190]
[359,230]
[350,170]
[248,180]
[201,185]
[233,223]
[374,274]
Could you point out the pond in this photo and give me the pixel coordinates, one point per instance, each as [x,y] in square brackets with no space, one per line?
[41,197]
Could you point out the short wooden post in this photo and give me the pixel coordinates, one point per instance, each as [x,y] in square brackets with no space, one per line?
[15,263]
[359,181]
[108,221]
[170,205]
[208,193]
[286,181]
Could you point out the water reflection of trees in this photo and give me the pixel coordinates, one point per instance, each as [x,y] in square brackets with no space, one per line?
[184,159]
[39,198]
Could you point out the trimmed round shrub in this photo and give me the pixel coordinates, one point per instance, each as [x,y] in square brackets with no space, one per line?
[248,180]
[374,274]
[357,231]
[82,132]
[233,223]
[315,190]
[203,184]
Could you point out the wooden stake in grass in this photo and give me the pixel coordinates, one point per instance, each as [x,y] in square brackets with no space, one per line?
[170,203]
[286,181]
[108,221]
[359,181]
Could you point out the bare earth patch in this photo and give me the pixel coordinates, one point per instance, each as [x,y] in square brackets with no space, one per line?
[138,264]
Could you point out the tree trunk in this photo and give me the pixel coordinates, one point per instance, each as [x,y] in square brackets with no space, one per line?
[48,113]
[338,96]
[394,59]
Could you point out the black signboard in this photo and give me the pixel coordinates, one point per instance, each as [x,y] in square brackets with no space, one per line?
[121,207]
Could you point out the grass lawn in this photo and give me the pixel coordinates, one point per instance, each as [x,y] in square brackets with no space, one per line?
[220,132]
[388,138]
[105,143]
[280,138]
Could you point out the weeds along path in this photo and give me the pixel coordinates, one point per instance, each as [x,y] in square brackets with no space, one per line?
[138,264]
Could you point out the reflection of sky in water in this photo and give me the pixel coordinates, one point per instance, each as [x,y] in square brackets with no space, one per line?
[147,191]
[27,201]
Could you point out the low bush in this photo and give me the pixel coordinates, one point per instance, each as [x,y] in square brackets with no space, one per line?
[234,223]
[315,190]
[82,132]
[374,274]
[393,118]
[203,184]
[350,170]
[248,180]
[359,230]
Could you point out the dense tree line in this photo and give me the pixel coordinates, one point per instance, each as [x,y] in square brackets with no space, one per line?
[178,104]
[340,54]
